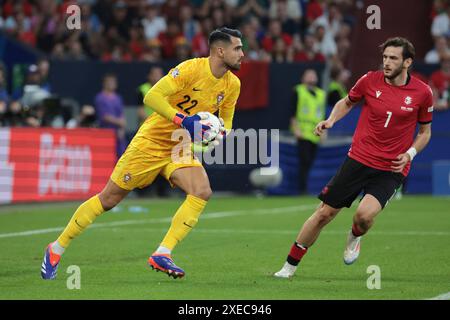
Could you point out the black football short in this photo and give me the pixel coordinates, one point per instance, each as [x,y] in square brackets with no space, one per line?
[354,178]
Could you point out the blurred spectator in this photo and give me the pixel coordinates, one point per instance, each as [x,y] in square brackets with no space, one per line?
[258,8]
[153,23]
[171,8]
[19,26]
[279,53]
[75,51]
[440,84]
[17,18]
[309,51]
[208,7]
[31,94]
[273,34]
[343,47]
[90,20]
[331,20]
[440,49]
[168,39]
[314,10]
[200,47]
[110,111]
[120,19]
[289,14]
[9,5]
[137,41]
[58,52]
[308,109]
[152,51]
[290,8]
[250,43]
[218,18]
[50,25]
[325,42]
[257,27]
[441,24]
[119,52]
[182,49]
[438,7]
[337,88]
[190,26]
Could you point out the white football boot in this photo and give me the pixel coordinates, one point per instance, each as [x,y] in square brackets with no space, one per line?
[351,252]
[287,271]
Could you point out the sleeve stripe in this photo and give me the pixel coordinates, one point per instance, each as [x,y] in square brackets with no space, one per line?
[425,122]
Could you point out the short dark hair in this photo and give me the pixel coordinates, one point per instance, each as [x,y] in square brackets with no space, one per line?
[223,34]
[408,48]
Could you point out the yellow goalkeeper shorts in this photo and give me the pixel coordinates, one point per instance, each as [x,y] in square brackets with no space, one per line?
[137,169]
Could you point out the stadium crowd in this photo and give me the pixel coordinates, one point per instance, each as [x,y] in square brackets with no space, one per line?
[152,30]
[156,30]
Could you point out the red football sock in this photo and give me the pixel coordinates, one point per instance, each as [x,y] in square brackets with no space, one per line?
[296,253]
[356,231]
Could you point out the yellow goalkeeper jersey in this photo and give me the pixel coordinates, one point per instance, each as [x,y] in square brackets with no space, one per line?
[188,88]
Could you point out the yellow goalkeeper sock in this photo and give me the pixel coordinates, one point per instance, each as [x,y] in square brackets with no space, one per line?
[86,213]
[183,221]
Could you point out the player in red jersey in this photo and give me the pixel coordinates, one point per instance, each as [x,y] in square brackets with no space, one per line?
[382,149]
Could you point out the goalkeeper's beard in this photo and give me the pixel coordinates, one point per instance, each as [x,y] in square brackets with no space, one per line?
[235,67]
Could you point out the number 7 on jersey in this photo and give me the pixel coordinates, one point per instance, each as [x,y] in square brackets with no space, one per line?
[389,113]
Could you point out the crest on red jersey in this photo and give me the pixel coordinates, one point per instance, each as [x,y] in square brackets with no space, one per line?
[408,100]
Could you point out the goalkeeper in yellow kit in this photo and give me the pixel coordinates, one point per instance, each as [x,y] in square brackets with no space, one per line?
[201,84]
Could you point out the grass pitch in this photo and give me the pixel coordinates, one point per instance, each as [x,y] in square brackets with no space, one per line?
[232,253]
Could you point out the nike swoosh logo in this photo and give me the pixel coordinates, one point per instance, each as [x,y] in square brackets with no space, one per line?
[78,223]
[187,225]
[196,89]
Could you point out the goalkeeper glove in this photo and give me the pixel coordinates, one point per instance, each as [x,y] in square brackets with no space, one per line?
[208,146]
[189,123]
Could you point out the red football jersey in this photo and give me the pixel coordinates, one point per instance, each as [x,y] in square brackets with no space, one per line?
[388,119]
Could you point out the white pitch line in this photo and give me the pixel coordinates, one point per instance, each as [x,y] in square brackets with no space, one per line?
[326,232]
[223,214]
[212,215]
[444,296]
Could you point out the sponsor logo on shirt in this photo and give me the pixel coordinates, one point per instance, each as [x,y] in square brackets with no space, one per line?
[378,93]
[409,109]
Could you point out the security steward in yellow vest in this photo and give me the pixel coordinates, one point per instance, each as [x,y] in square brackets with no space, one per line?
[337,88]
[308,110]
[154,74]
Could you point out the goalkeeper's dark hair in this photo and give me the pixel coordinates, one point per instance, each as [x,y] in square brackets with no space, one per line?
[223,34]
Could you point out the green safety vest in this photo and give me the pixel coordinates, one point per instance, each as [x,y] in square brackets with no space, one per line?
[336,86]
[143,89]
[310,111]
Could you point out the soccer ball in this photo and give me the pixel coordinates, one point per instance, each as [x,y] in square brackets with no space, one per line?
[212,121]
